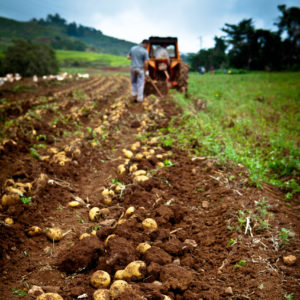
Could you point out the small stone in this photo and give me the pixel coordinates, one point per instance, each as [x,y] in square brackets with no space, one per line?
[205,204]
[194,171]
[289,260]
[191,243]
[229,291]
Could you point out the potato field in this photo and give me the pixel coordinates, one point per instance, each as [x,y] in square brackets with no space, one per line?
[94,205]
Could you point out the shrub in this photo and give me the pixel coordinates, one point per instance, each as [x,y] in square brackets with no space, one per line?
[30,59]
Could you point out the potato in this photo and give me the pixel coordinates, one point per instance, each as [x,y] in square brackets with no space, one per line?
[34,230]
[107,239]
[101,294]
[153,140]
[139,156]
[133,168]
[121,169]
[118,287]
[160,164]
[167,297]
[9,221]
[94,213]
[143,247]
[140,178]
[159,156]
[149,223]
[119,274]
[140,172]
[135,146]
[127,153]
[49,296]
[105,192]
[14,190]
[119,187]
[130,210]
[84,235]
[151,151]
[107,200]
[74,203]
[133,269]
[121,221]
[54,234]
[100,279]
[8,200]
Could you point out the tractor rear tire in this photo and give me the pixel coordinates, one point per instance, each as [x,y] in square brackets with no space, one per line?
[182,78]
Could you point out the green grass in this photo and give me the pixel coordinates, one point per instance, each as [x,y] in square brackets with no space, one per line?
[252,119]
[80,58]
[92,71]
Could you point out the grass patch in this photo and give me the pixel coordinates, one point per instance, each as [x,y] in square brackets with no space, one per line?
[68,58]
[252,119]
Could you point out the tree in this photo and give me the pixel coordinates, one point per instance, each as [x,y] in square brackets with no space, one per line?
[241,38]
[56,19]
[289,23]
[213,57]
[30,59]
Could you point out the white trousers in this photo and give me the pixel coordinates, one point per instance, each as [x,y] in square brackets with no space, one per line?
[137,77]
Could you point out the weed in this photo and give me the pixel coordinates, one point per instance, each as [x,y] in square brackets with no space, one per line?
[58,207]
[19,292]
[97,227]
[34,115]
[241,263]
[168,163]
[34,153]
[231,242]
[116,182]
[80,219]
[241,219]
[262,215]
[289,296]
[25,200]
[285,235]
[41,137]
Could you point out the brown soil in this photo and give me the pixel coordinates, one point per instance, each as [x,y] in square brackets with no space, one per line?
[197,249]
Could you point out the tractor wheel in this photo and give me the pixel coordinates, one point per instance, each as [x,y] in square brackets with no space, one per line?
[182,78]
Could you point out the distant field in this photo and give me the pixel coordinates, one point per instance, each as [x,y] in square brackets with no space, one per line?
[68,58]
[252,119]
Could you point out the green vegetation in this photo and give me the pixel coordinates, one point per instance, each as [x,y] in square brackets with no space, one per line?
[29,59]
[19,292]
[255,49]
[285,235]
[252,119]
[68,58]
[55,32]
[25,200]
[241,263]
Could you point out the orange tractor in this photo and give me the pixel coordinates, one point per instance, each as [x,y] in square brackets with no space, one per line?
[166,68]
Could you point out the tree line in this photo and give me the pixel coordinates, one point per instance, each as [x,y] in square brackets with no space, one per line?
[245,47]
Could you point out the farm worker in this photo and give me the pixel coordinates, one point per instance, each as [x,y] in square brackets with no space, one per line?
[139,63]
[161,52]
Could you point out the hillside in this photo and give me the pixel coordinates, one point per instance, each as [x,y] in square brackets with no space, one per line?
[57,33]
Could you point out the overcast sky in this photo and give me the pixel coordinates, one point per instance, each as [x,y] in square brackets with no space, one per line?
[192,21]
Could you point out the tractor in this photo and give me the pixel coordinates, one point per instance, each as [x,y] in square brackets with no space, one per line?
[166,68]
